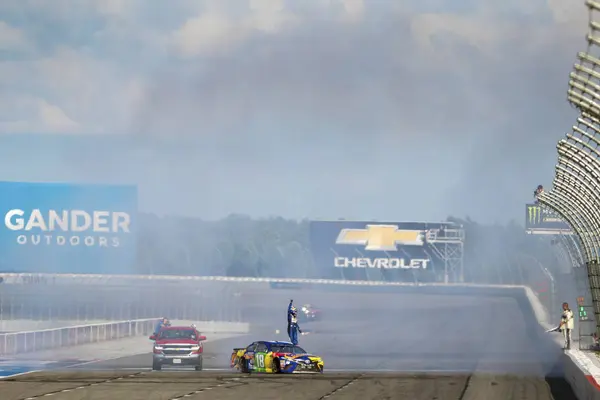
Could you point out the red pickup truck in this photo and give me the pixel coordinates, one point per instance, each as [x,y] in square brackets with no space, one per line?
[177,346]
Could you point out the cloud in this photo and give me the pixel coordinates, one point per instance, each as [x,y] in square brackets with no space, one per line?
[206,33]
[55,118]
[38,115]
[13,39]
[326,108]
[214,31]
[354,9]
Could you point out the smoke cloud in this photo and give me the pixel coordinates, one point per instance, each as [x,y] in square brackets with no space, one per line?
[320,109]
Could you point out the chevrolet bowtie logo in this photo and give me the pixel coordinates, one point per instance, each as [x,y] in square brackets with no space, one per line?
[380,237]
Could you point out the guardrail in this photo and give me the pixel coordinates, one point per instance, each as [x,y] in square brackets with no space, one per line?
[22,342]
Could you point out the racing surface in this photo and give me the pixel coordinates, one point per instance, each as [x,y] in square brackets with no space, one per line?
[380,347]
[216,386]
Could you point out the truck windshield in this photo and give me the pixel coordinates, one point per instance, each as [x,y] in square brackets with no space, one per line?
[177,334]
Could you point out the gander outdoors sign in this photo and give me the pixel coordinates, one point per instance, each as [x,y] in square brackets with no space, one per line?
[372,250]
[68,228]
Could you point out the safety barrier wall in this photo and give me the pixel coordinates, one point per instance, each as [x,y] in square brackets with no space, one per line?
[83,298]
[194,298]
[22,342]
[582,381]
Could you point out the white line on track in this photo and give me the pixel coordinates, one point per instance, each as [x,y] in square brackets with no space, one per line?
[116,358]
[167,369]
[80,387]
[20,373]
[400,371]
[105,359]
[397,371]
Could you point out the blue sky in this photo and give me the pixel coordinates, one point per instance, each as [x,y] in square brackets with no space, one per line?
[321,108]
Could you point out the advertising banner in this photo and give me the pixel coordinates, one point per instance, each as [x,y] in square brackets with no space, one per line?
[388,251]
[541,220]
[67,228]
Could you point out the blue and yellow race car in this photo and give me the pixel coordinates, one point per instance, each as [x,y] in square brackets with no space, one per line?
[275,358]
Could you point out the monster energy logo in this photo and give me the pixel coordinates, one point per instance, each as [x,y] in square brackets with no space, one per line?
[535,214]
[544,221]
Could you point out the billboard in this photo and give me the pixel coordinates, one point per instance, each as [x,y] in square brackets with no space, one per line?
[540,220]
[363,250]
[67,228]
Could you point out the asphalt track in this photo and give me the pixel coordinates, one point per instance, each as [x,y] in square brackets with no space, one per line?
[380,347]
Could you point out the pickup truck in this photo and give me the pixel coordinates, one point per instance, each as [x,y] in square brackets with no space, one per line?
[177,346]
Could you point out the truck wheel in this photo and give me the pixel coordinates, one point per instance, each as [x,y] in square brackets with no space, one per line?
[199,366]
[156,366]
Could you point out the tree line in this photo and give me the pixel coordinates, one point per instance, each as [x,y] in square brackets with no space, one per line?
[277,247]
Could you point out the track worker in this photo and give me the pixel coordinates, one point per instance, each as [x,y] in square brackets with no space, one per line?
[567,324]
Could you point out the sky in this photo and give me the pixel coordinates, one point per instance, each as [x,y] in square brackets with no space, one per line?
[357,109]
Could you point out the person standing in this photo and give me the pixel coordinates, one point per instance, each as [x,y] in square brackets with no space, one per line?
[294,328]
[567,324]
[163,322]
[290,311]
[539,190]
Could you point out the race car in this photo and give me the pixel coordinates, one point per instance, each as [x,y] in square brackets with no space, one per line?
[274,357]
[309,313]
